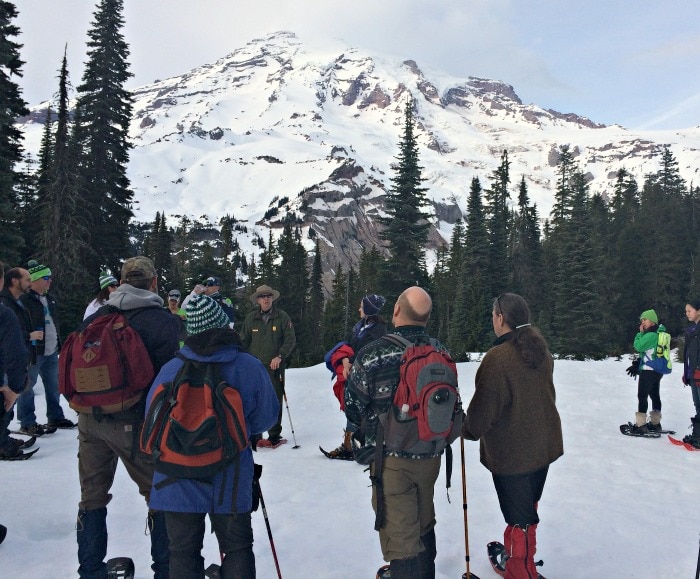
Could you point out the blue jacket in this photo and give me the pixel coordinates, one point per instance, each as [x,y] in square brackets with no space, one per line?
[247,374]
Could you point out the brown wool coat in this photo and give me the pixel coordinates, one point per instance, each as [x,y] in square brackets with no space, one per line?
[513,413]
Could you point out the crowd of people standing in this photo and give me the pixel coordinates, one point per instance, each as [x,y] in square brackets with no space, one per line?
[514,389]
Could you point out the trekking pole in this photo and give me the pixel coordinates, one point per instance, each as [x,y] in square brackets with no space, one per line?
[468,574]
[269,530]
[289,415]
[697,569]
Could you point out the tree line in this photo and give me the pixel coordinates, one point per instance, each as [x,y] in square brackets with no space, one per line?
[587,270]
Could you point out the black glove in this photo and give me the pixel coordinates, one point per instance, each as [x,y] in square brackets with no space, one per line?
[253,440]
[633,370]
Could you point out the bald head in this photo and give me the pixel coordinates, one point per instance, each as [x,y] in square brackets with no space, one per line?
[412,308]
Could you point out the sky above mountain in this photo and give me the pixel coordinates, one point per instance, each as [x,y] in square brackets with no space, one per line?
[632,62]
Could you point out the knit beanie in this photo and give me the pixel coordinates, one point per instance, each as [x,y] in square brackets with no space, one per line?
[107,279]
[695,303]
[649,315]
[203,313]
[37,270]
[372,303]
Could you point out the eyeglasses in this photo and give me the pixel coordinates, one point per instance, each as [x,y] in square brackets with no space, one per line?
[174,298]
[46,277]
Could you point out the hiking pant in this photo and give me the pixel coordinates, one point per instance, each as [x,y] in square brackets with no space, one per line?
[47,368]
[277,379]
[648,387]
[101,444]
[234,534]
[519,494]
[409,512]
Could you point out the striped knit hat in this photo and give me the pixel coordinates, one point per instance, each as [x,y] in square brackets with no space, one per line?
[107,279]
[37,270]
[203,313]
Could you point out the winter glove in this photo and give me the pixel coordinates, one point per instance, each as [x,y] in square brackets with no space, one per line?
[253,440]
[633,370]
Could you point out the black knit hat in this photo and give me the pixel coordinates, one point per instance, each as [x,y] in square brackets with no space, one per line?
[372,303]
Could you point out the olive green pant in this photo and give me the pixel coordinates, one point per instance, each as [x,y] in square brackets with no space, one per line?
[409,512]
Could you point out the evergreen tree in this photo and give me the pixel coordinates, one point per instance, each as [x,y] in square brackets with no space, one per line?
[13,106]
[498,226]
[477,291]
[406,225]
[335,314]
[105,112]
[580,330]
[293,285]
[64,240]
[526,252]
[314,310]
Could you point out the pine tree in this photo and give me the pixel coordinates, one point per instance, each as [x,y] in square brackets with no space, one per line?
[335,314]
[406,225]
[105,112]
[13,106]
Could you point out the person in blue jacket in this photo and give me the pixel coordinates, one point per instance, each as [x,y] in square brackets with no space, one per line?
[187,501]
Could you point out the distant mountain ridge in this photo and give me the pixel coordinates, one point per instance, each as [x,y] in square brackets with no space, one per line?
[273,131]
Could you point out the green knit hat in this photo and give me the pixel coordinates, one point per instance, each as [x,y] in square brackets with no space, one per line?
[649,315]
[203,313]
[107,279]
[37,270]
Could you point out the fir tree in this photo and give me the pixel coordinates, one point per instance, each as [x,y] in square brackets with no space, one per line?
[13,106]
[105,112]
[406,226]
[498,225]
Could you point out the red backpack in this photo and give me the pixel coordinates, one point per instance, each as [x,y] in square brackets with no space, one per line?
[426,413]
[105,367]
[195,425]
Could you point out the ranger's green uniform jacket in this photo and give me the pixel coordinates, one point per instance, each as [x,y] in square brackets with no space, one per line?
[266,339]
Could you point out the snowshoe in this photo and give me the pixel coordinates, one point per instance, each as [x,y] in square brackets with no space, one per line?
[120,567]
[22,444]
[687,445]
[3,533]
[272,442]
[498,558]
[340,453]
[213,571]
[630,429]
[16,454]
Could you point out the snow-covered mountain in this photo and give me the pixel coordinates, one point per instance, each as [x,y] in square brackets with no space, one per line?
[275,130]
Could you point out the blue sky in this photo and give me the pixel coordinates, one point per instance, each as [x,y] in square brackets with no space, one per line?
[631,62]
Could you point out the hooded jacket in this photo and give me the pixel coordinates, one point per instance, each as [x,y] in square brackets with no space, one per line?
[144,311]
[245,373]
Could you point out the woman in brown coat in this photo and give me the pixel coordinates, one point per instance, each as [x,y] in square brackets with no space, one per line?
[513,414]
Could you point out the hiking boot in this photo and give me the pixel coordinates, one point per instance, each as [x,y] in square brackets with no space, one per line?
[639,429]
[272,442]
[61,423]
[9,451]
[33,430]
[21,444]
[344,451]
[653,427]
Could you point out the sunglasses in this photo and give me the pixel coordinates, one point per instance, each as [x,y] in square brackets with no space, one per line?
[265,296]
[210,283]
[46,277]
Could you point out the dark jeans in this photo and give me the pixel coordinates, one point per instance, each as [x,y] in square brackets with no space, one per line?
[648,387]
[519,494]
[233,532]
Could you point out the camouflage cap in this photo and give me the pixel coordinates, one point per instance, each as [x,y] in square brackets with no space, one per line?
[136,268]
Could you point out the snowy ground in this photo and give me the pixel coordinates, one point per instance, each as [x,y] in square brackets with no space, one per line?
[613,506]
